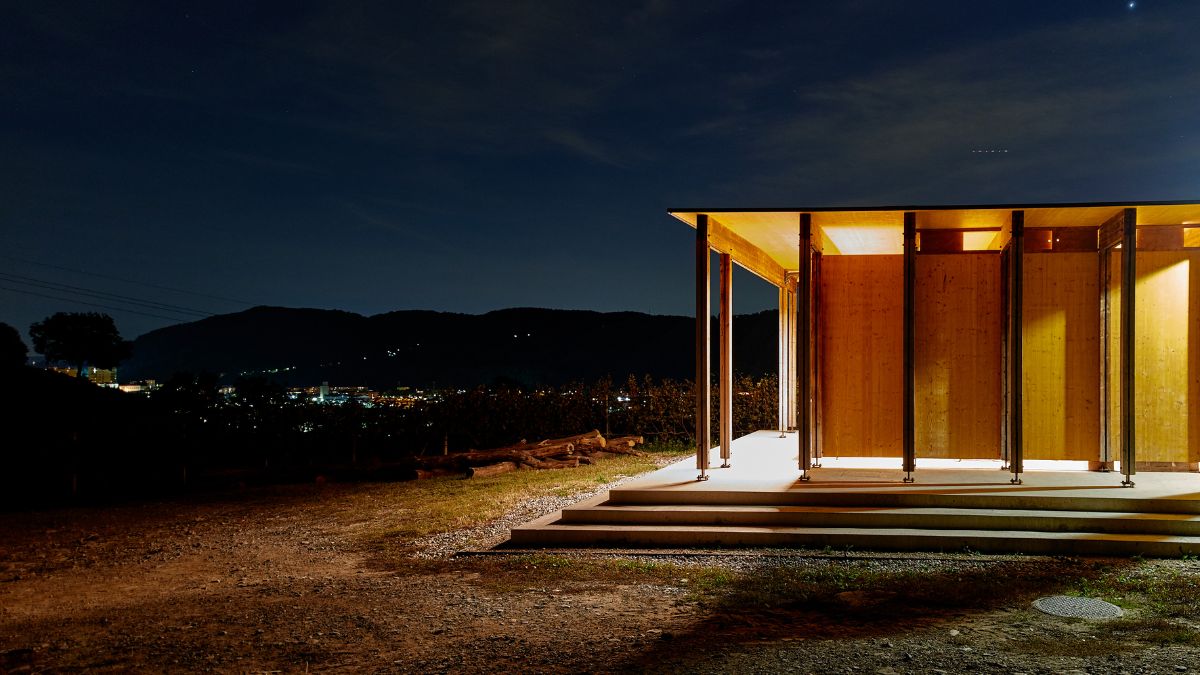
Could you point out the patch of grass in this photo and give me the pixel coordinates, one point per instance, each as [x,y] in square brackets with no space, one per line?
[1060,646]
[426,507]
[1155,630]
[519,573]
[1145,586]
[859,597]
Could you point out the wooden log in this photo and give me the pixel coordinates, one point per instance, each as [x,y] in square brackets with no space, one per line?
[492,469]
[630,440]
[484,457]
[550,453]
[424,474]
[623,449]
[590,439]
[554,463]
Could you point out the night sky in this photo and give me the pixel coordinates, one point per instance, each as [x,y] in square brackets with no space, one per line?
[469,156]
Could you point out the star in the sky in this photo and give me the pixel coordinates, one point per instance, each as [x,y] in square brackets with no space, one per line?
[1132,4]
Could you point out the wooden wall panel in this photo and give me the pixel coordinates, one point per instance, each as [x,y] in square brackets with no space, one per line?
[958,355]
[862,343]
[1193,342]
[1114,353]
[1167,353]
[1061,380]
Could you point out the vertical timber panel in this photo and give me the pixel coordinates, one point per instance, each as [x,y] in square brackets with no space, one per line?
[1104,326]
[1061,351]
[1005,338]
[818,365]
[783,359]
[1113,347]
[1163,377]
[958,370]
[725,386]
[1128,344]
[703,347]
[862,352]
[791,365]
[1193,347]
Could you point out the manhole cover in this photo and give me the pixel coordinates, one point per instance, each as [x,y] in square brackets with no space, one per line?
[1077,608]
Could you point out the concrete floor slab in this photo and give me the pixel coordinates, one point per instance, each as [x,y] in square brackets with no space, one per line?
[1059,507]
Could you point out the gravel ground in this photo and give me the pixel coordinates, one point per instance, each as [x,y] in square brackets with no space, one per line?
[444,545]
[284,580]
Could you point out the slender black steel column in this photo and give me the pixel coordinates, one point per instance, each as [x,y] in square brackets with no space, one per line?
[910,345]
[804,346]
[1128,282]
[703,340]
[1016,450]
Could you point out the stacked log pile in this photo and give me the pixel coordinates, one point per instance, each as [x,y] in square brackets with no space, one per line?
[552,453]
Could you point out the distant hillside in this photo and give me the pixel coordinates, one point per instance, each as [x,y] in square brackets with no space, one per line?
[423,348]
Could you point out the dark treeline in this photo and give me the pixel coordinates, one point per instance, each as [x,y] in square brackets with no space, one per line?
[68,440]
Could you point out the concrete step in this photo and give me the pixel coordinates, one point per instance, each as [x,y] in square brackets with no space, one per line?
[904,539]
[882,517]
[1112,499]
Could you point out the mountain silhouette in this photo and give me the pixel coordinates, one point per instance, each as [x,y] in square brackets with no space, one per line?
[423,349]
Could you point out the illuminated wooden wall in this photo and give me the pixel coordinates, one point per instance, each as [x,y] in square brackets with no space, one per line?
[862,341]
[1167,357]
[1061,380]
[958,373]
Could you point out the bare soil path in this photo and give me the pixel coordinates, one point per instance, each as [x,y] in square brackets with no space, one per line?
[307,578]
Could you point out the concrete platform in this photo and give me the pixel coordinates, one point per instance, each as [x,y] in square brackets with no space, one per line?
[1061,508]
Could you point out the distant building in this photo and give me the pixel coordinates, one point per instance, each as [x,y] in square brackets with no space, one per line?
[104,376]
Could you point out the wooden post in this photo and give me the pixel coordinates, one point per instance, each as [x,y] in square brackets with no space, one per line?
[726,355]
[1106,457]
[803,346]
[910,342]
[1005,337]
[703,356]
[784,356]
[791,366]
[1016,451]
[1128,281]
[818,441]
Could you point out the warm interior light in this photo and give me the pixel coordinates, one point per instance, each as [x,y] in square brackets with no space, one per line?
[981,241]
[866,239]
[1191,237]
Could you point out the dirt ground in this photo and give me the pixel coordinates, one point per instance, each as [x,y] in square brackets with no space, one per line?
[300,579]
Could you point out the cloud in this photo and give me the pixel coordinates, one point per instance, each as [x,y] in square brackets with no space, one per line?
[422,233]
[577,144]
[1062,100]
[266,162]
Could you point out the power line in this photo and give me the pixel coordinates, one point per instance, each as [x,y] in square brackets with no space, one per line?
[102,295]
[92,304]
[129,281]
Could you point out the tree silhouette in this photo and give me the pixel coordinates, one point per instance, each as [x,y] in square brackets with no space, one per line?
[12,349]
[80,339]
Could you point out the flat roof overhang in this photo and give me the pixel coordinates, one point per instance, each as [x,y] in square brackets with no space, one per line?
[765,240]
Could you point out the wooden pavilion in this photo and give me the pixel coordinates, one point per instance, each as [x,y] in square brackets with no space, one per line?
[1011,332]
[964,338]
